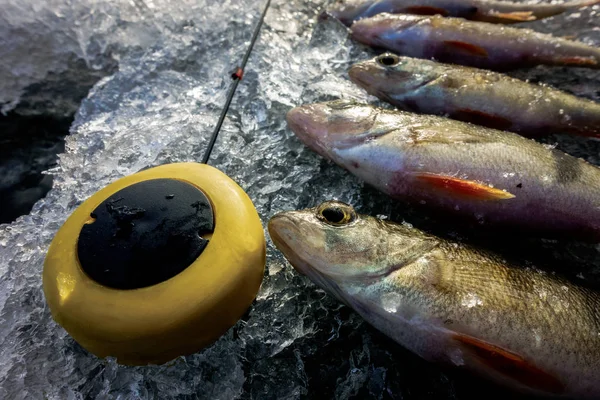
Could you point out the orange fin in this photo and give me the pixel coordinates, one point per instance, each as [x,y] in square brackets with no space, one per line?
[583,61]
[510,365]
[425,10]
[515,15]
[481,118]
[463,187]
[466,47]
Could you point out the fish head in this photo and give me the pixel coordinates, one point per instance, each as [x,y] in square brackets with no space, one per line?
[337,125]
[380,30]
[349,11]
[335,246]
[389,74]
[329,243]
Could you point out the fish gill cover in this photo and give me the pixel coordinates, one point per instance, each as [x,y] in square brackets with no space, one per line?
[167,67]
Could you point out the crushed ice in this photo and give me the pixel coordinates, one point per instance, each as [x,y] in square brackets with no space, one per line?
[165,68]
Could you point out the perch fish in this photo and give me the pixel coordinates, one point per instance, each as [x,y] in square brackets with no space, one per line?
[476,44]
[487,176]
[482,97]
[450,303]
[502,12]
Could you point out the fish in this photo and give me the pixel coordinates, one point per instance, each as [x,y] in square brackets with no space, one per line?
[475,174]
[501,12]
[475,44]
[479,96]
[450,303]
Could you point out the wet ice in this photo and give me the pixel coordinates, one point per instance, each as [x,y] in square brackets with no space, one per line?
[166,70]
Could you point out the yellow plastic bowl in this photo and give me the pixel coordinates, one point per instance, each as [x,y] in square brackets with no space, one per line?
[179,316]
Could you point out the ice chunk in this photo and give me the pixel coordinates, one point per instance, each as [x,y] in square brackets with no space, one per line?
[160,106]
[51,46]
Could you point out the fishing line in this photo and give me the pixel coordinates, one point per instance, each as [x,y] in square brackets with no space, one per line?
[237,77]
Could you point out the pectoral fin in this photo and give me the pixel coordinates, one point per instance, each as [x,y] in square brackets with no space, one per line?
[509,364]
[462,187]
[466,48]
[514,16]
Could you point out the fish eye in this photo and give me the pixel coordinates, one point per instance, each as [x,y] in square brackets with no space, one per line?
[388,59]
[336,214]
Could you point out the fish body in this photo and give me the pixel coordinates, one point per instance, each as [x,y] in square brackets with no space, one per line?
[476,44]
[503,12]
[492,177]
[483,97]
[450,303]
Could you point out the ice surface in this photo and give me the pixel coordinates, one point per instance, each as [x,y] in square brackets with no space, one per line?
[159,106]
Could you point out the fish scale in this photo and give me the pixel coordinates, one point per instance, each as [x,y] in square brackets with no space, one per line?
[452,303]
[476,44]
[511,293]
[504,12]
[483,97]
[495,178]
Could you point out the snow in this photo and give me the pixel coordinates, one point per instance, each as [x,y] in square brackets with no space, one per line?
[161,71]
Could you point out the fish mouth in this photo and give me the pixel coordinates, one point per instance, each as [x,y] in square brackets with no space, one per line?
[365,32]
[371,30]
[277,226]
[331,126]
[283,228]
[349,11]
[370,77]
[309,124]
[361,75]
[383,83]
[377,30]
